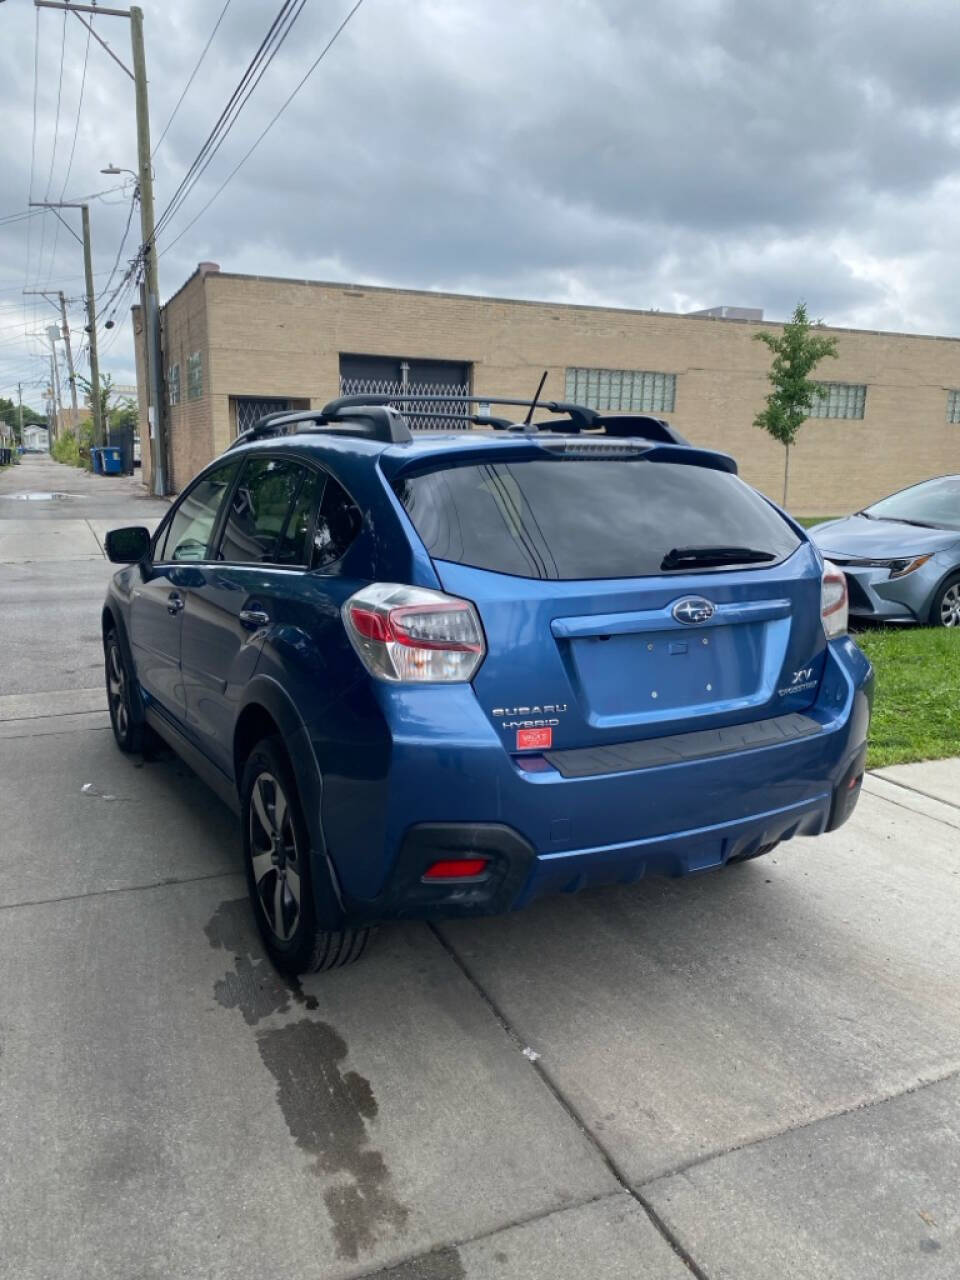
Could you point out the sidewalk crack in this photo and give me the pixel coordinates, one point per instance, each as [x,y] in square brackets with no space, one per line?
[568,1107]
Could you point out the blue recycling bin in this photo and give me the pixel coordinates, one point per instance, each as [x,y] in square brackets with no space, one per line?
[111,460]
[97,460]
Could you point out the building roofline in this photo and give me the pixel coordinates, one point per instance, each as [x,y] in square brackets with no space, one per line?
[349,287]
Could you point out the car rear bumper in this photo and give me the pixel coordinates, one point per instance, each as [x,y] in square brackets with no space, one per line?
[546,833]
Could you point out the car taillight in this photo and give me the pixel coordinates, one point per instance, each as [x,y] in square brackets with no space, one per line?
[834,601]
[413,634]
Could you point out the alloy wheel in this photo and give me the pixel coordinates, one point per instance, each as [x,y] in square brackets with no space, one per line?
[274,856]
[950,606]
[117,690]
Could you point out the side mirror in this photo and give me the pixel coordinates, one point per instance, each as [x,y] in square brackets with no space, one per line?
[127,546]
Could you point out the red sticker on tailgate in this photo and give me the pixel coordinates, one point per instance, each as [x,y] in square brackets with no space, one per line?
[534,739]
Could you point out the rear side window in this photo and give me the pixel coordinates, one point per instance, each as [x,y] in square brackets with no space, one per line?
[260,509]
[338,523]
[581,518]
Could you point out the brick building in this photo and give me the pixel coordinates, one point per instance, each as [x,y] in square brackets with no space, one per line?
[237,346]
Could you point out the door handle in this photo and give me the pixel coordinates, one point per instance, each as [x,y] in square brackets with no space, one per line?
[254,617]
[174,602]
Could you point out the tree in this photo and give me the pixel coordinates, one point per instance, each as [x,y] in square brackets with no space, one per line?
[796,353]
[10,413]
[106,389]
[124,414]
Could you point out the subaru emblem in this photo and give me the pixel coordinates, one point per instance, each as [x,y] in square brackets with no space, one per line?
[693,610]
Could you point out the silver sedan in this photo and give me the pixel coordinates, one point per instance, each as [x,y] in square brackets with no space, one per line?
[901,555]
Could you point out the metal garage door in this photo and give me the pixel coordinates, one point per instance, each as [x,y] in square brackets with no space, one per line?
[393,376]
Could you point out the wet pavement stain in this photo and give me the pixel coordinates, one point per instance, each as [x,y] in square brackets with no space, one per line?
[254,987]
[326,1110]
[444,1264]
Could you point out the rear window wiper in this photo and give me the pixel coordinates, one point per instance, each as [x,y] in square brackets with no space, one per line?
[713,557]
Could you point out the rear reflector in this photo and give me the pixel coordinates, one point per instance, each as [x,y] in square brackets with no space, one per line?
[456,869]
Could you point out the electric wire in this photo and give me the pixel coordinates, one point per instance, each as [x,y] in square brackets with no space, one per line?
[123,241]
[277,33]
[246,156]
[73,145]
[33,145]
[76,127]
[53,155]
[193,73]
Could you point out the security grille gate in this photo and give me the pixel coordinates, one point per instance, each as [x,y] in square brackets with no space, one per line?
[421,414]
[250,410]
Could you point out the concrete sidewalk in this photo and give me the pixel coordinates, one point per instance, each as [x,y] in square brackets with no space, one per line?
[748,1074]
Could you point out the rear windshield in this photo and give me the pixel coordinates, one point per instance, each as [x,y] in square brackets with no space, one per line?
[574,518]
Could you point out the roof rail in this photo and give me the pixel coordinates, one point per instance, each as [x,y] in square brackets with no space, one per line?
[371,422]
[581,418]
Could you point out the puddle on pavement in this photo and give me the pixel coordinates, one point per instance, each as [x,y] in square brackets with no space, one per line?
[39,497]
[326,1109]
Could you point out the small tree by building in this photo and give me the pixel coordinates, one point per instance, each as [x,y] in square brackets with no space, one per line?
[106,390]
[796,353]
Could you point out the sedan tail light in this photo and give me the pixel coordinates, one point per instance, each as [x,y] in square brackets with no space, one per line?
[834,601]
[413,634]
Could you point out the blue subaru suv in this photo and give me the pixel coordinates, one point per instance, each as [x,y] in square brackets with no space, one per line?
[441,675]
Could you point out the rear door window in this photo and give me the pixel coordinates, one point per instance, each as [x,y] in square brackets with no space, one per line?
[575,518]
[262,505]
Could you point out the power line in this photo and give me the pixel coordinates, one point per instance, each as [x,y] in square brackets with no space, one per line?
[269,47]
[76,127]
[73,145]
[33,142]
[192,75]
[246,156]
[53,156]
[123,241]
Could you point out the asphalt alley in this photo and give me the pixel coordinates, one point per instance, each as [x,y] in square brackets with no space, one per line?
[755,1072]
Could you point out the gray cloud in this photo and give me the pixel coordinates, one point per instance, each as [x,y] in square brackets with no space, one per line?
[673,154]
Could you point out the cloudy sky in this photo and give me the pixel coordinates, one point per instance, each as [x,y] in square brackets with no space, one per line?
[671,154]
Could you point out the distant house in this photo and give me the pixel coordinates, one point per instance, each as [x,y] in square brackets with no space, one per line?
[36,438]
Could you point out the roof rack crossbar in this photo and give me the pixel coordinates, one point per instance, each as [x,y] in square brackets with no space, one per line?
[579,411]
[374,422]
[581,417]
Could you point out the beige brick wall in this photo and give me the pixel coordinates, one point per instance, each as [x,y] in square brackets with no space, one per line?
[266,337]
[189,423]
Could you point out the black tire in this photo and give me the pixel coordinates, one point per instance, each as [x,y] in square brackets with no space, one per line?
[757,853]
[945,607]
[276,855]
[122,703]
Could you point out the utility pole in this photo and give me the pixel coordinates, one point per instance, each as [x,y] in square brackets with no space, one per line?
[66,342]
[99,435]
[65,333]
[154,352]
[55,388]
[20,407]
[91,300]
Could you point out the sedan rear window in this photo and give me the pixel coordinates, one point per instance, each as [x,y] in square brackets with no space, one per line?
[580,518]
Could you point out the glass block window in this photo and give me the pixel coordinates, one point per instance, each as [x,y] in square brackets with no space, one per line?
[953,406]
[839,400]
[622,389]
[173,384]
[194,376]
